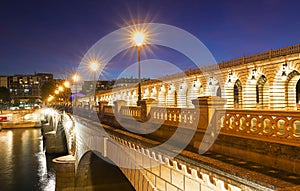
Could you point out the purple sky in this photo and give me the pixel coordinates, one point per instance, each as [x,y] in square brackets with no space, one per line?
[52,36]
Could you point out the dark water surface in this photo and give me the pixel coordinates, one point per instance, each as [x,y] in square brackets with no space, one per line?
[23,163]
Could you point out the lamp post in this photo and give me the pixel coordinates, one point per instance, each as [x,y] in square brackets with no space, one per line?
[67,92]
[75,80]
[94,67]
[139,40]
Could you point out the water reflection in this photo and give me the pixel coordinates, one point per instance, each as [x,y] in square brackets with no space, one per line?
[23,163]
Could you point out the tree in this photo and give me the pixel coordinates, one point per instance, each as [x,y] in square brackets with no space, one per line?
[5,97]
[47,89]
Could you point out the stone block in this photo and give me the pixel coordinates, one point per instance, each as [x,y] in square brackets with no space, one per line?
[190,184]
[170,187]
[166,173]
[160,184]
[177,179]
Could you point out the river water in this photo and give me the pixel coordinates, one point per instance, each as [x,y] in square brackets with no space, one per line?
[23,163]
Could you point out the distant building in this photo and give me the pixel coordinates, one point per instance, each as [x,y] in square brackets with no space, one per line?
[88,86]
[126,81]
[24,88]
[4,81]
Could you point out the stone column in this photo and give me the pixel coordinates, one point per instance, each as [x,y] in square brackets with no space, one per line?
[207,106]
[101,106]
[204,137]
[118,104]
[145,107]
[65,173]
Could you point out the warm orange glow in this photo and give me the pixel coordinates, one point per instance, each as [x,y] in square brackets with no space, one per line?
[60,88]
[56,92]
[67,84]
[50,98]
[139,38]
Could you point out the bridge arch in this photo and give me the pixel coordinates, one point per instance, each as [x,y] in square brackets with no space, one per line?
[162,95]
[213,87]
[232,88]
[182,95]
[146,93]
[262,92]
[172,96]
[93,173]
[154,93]
[292,89]
[195,89]
[219,92]
[237,94]
[298,93]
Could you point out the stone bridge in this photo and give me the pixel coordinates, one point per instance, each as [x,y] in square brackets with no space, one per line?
[232,126]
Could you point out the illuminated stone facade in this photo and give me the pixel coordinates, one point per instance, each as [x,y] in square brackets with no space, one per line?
[268,80]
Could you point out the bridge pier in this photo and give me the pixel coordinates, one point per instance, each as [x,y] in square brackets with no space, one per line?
[54,136]
[65,173]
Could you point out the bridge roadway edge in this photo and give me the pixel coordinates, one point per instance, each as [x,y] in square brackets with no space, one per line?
[219,169]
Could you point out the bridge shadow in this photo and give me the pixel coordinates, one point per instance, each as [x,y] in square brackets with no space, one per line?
[93,173]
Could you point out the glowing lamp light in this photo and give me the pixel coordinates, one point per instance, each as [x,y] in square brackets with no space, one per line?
[67,84]
[194,84]
[94,66]
[210,83]
[56,92]
[139,38]
[253,79]
[60,88]
[284,76]
[229,78]
[50,98]
[76,78]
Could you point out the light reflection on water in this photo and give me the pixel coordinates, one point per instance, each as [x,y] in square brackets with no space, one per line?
[23,163]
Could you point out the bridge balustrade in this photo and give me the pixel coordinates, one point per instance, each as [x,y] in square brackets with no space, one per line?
[261,56]
[277,126]
[174,116]
[131,111]
[267,125]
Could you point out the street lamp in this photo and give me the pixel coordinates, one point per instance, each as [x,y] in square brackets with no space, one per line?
[139,38]
[67,84]
[60,88]
[94,68]
[75,79]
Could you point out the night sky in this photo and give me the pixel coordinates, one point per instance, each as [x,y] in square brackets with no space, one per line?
[53,36]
